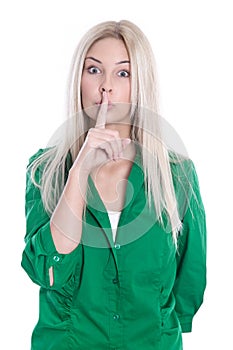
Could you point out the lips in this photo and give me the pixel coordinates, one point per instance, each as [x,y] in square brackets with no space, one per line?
[100,102]
[110,105]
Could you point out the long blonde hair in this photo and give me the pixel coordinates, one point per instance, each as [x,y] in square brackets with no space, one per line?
[145,124]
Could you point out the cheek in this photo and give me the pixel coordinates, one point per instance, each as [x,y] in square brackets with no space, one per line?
[126,93]
[123,86]
[86,91]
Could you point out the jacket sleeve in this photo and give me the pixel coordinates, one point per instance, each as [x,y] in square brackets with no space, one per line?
[40,253]
[191,258]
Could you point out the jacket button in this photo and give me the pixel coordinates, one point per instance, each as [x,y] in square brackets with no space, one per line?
[116,317]
[115,280]
[56,258]
[117,246]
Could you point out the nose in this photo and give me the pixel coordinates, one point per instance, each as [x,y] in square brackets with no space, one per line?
[106,84]
[107,90]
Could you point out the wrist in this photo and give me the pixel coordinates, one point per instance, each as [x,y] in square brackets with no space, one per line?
[78,171]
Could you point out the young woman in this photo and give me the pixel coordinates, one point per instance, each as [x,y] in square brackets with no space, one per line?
[116,233]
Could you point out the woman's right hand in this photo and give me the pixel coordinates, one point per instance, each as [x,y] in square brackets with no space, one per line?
[101,144]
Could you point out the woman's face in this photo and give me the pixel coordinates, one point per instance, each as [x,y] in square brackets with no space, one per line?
[106,67]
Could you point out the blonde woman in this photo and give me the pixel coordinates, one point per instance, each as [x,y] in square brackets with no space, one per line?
[116,233]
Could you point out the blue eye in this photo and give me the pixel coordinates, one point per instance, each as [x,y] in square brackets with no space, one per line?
[93,70]
[124,73]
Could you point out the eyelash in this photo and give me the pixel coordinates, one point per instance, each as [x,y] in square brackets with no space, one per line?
[123,70]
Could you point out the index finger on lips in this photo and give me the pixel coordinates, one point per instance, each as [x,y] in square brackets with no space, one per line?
[102,114]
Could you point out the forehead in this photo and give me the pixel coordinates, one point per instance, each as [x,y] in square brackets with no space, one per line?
[110,48]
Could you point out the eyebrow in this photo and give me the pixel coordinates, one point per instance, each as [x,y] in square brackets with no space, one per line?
[98,61]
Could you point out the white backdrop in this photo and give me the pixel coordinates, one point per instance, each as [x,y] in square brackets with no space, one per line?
[192,41]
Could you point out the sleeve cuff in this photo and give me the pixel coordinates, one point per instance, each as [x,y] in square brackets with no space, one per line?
[46,240]
[186,324]
[64,265]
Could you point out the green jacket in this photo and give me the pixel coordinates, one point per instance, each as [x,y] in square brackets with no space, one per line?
[137,293]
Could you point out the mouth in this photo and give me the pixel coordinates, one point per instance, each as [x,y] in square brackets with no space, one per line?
[110,105]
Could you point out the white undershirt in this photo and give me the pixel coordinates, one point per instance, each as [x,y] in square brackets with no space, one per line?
[114,217]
